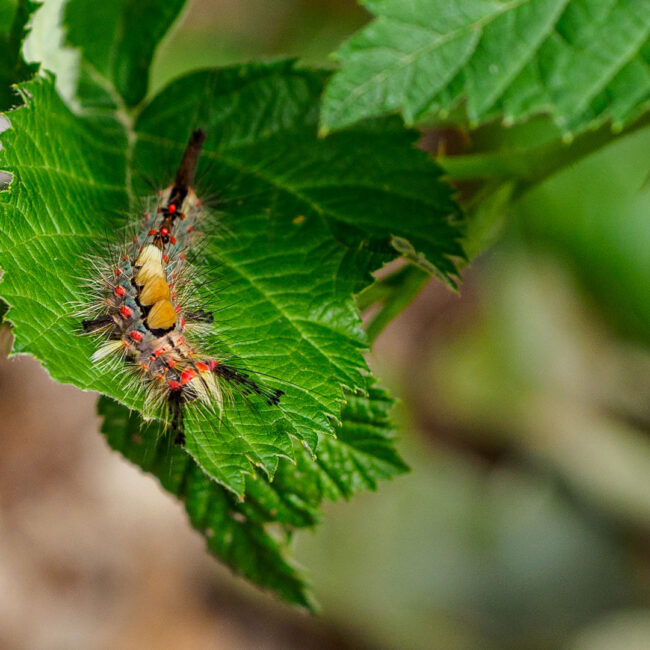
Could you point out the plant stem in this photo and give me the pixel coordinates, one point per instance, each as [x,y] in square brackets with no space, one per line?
[533,166]
[395,291]
[382,288]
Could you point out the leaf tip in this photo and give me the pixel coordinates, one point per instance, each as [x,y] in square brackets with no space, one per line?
[308,602]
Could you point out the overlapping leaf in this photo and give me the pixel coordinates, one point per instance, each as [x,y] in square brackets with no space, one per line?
[361,454]
[235,531]
[290,255]
[582,61]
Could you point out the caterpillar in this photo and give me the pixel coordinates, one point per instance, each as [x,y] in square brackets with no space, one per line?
[144,317]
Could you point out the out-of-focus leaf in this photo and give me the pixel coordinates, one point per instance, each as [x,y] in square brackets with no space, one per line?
[14,15]
[117,40]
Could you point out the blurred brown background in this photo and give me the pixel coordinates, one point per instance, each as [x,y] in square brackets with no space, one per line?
[525,416]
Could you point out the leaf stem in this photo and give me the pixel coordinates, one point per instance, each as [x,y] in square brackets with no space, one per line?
[531,167]
[395,292]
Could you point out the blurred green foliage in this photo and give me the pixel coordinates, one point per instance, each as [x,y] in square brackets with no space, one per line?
[596,218]
[232,31]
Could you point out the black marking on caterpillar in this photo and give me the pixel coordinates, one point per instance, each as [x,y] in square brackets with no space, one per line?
[141,314]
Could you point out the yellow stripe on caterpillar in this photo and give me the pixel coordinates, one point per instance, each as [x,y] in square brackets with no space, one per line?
[148,272]
[149,253]
[155,289]
[150,263]
[162,316]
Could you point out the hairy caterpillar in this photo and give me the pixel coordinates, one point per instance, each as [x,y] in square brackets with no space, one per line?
[143,317]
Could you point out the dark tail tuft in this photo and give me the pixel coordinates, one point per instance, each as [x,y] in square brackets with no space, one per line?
[199,316]
[178,424]
[248,385]
[96,324]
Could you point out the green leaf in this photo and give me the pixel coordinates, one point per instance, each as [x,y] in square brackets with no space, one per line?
[231,529]
[361,454]
[289,258]
[14,15]
[236,530]
[583,61]
[432,243]
[301,224]
[355,182]
[118,40]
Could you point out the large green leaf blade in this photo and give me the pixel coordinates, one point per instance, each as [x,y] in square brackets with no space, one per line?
[570,58]
[288,261]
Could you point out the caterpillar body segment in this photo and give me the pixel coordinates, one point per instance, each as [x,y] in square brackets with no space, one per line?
[143,311]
